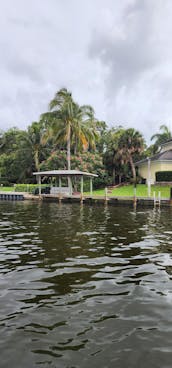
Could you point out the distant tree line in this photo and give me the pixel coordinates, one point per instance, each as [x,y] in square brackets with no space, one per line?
[68,136]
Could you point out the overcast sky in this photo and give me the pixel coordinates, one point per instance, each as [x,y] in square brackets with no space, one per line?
[113,54]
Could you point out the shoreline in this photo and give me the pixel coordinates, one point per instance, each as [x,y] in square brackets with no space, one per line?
[90,200]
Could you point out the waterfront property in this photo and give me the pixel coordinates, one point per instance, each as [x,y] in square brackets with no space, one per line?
[160,162]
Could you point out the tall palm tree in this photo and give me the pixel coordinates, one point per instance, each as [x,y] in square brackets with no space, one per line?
[31,142]
[112,154]
[84,130]
[69,123]
[130,143]
[161,137]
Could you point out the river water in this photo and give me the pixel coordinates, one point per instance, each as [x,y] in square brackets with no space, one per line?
[85,286]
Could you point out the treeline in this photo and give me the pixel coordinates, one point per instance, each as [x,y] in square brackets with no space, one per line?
[68,136]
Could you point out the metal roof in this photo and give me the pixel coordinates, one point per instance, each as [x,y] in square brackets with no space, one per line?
[64,173]
[161,156]
[166,142]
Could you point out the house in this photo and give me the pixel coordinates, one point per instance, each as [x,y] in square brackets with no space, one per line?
[162,161]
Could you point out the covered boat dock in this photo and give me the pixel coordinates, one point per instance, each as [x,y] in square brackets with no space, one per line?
[69,174]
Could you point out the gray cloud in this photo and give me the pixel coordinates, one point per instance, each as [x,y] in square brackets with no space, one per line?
[126,47]
[136,52]
[115,55]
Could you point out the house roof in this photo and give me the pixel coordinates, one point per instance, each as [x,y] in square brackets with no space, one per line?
[64,173]
[166,142]
[161,156]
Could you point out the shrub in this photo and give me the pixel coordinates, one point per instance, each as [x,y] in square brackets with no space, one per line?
[29,188]
[4,182]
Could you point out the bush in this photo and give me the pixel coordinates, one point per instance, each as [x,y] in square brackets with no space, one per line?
[29,188]
[164,176]
[4,182]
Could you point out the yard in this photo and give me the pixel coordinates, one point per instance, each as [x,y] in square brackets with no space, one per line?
[141,191]
[124,191]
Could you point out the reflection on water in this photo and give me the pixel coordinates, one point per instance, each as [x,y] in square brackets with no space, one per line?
[85,286]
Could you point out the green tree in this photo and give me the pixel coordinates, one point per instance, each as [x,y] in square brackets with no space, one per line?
[112,156]
[70,124]
[15,160]
[161,137]
[32,141]
[130,143]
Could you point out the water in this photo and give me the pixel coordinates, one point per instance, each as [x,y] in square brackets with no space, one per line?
[85,286]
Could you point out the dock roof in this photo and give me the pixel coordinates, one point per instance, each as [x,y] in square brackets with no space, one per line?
[64,173]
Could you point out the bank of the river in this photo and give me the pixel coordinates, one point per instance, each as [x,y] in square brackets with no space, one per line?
[122,191]
[91,200]
[124,195]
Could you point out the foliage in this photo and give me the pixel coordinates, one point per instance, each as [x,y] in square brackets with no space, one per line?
[122,146]
[28,188]
[68,124]
[160,138]
[87,161]
[69,135]
[131,142]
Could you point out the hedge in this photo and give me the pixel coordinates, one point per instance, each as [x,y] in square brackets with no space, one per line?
[29,188]
[164,176]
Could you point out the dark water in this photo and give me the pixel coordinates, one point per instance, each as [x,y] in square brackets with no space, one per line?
[85,286]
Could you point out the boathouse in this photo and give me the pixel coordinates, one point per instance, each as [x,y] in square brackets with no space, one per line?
[70,175]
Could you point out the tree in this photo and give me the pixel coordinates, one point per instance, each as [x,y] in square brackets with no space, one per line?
[15,159]
[112,156]
[33,141]
[131,142]
[161,137]
[68,123]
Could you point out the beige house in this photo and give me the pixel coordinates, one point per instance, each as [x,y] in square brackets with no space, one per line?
[162,161]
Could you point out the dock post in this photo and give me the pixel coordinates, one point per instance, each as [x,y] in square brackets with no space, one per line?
[82,188]
[106,195]
[60,189]
[159,198]
[91,186]
[39,184]
[154,198]
[135,197]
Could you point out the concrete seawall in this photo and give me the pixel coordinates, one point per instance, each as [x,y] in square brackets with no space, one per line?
[89,200]
[100,200]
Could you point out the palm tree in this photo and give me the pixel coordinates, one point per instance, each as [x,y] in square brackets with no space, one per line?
[130,143]
[161,137]
[31,142]
[69,123]
[84,129]
[112,154]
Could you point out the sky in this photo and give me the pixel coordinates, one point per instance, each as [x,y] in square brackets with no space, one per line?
[115,55]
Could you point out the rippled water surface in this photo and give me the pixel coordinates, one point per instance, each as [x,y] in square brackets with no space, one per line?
[85,286]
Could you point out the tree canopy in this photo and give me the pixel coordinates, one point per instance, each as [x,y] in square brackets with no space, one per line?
[69,135]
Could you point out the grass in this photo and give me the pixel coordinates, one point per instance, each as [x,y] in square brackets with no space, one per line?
[141,191]
[124,191]
[7,189]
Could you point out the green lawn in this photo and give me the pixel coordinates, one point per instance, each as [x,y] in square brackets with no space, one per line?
[141,191]
[7,189]
[125,191]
